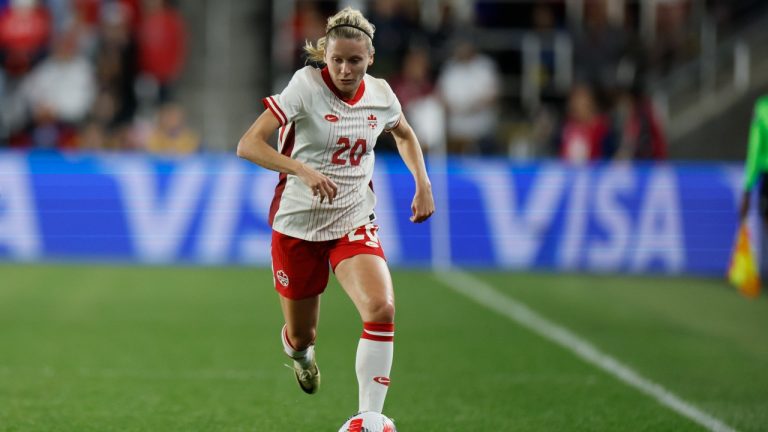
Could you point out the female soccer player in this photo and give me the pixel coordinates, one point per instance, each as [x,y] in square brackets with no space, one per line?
[322,211]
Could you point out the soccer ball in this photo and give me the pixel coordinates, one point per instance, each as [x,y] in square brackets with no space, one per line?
[369,421]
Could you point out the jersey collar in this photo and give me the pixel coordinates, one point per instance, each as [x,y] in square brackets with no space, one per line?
[329,82]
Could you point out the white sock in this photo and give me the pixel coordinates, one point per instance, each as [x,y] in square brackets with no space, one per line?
[373,364]
[303,357]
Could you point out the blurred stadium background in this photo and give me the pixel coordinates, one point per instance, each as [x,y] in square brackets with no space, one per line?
[587,162]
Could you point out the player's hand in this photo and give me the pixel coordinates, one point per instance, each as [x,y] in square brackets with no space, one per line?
[423,204]
[318,183]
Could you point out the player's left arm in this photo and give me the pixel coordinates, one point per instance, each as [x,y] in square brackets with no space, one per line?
[408,146]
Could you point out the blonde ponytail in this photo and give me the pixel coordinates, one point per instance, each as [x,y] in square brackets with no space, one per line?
[348,23]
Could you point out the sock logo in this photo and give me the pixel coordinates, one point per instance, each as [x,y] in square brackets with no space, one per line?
[382,380]
[282,277]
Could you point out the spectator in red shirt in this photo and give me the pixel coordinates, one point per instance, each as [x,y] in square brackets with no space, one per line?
[585,135]
[25,29]
[642,136]
[415,79]
[162,46]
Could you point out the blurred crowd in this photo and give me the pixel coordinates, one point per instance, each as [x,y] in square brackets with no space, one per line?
[103,74]
[455,77]
[92,75]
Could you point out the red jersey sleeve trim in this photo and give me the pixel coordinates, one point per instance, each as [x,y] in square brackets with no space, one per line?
[271,104]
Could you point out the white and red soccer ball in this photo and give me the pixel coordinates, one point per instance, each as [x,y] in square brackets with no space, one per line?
[369,422]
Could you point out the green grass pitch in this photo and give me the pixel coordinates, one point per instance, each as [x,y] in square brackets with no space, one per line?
[111,348]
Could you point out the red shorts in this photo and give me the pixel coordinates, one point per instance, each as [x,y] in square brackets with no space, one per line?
[300,267]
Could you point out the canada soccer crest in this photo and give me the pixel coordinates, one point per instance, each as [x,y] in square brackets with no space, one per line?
[372,122]
[282,278]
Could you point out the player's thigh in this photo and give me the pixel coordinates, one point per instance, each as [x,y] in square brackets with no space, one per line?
[366,280]
[358,261]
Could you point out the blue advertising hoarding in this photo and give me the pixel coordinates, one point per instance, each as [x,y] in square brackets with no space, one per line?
[667,218]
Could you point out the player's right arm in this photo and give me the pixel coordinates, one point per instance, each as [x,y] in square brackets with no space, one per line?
[253,146]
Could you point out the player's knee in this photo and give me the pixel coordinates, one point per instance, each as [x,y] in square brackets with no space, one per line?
[302,339]
[382,311]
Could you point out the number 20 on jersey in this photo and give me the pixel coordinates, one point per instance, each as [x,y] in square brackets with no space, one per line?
[348,152]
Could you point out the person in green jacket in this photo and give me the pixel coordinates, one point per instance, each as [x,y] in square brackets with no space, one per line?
[757,161]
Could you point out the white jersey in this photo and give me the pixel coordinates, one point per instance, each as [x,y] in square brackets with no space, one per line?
[335,136]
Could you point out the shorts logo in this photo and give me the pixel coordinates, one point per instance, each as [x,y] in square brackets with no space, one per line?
[282,278]
[331,118]
[382,380]
[372,122]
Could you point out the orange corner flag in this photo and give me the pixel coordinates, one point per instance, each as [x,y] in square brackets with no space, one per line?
[743,272]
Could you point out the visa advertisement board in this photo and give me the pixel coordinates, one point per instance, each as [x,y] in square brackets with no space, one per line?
[670,218]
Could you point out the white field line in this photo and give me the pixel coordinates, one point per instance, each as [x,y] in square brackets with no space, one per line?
[487,296]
